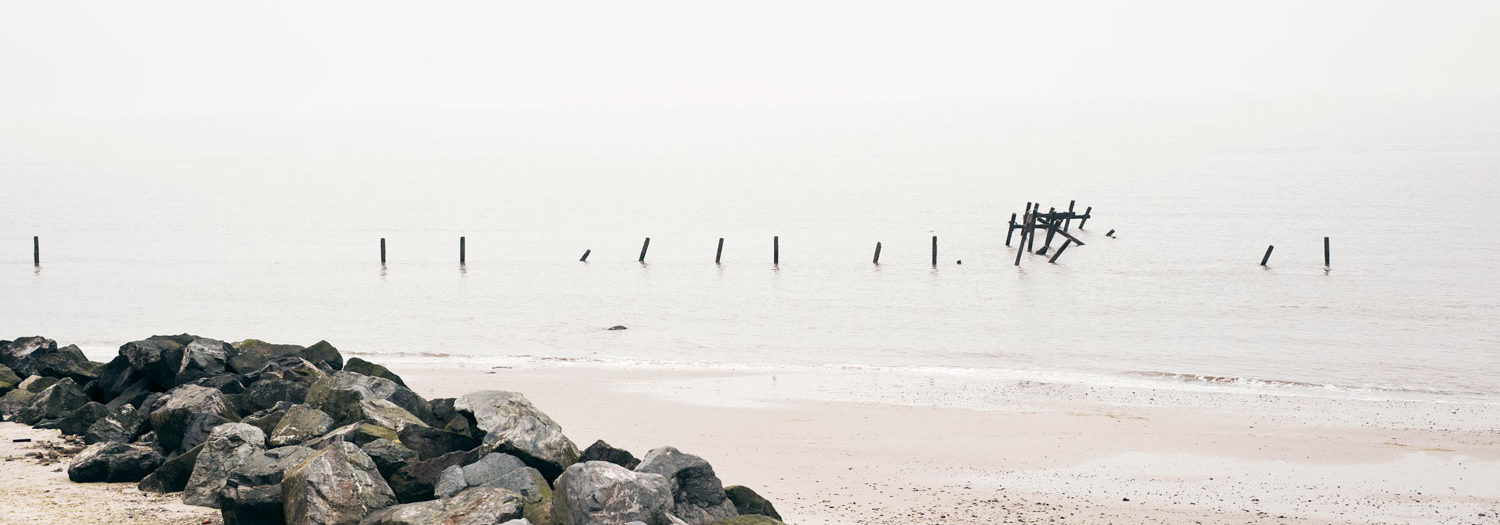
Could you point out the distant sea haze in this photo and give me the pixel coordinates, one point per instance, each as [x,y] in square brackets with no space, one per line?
[286,248]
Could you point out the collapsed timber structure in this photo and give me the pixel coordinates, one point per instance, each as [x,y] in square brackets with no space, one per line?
[1054,223]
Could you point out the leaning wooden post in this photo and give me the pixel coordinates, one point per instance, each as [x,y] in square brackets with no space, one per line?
[877,253]
[1021,247]
[1085,219]
[719,252]
[1263,260]
[1011,229]
[1111,234]
[1069,221]
[1060,249]
[1326,262]
[934,251]
[644,245]
[461,258]
[776,250]
[585,257]
[382,251]
[36,250]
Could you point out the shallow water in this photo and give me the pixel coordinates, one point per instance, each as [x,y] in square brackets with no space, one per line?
[280,242]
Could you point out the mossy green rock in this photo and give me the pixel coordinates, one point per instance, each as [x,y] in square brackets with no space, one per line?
[8,379]
[360,366]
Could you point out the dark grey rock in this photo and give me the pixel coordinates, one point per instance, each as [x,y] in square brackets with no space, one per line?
[360,366]
[24,393]
[502,471]
[449,482]
[56,402]
[415,482]
[111,462]
[114,378]
[225,449]
[41,356]
[252,493]
[511,424]
[697,494]
[288,368]
[300,424]
[120,424]
[187,414]
[601,451]
[173,475]
[134,394]
[442,408]
[8,379]
[746,501]
[389,456]
[340,395]
[358,433]
[325,356]
[157,358]
[387,414]
[476,506]
[203,357]
[251,355]
[429,442]
[339,485]
[77,422]
[226,383]
[603,493]
[266,393]
[268,418]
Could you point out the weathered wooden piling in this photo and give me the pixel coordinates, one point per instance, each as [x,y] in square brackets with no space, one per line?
[1069,221]
[1021,247]
[877,253]
[461,258]
[719,253]
[382,251]
[36,250]
[1030,237]
[1010,229]
[934,251]
[1060,249]
[1111,234]
[1085,220]
[1263,260]
[644,245]
[1326,262]
[776,250]
[585,257]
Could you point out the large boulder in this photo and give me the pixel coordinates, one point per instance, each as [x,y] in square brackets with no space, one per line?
[601,451]
[133,394]
[187,415]
[502,471]
[389,456]
[697,494]
[56,402]
[387,414]
[77,422]
[514,426]
[8,379]
[603,493]
[157,358]
[225,449]
[358,433]
[112,462]
[266,393]
[201,358]
[24,393]
[121,425]
[360,366]
[415,482]
[340,395]
[325,356]
[339,485]
[288,368]
[114,377]
[252,493]
[476,506]
[41,356]
[430,442]
[746,501]
[300,424]
[251,355]
[267,419]
[173,475]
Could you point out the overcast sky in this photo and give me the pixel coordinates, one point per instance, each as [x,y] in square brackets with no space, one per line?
[272,57]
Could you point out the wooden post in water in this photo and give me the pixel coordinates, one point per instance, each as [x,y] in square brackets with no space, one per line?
[1060,249]
[36,250]
[1010,229]
[934,251]
[1021,247]
[1111,234]
[644,245]
[461,258]
[1069,221]
[1030,238]
[1263,260]
[719,252]
[877,253]
[382,251]
[1085,220]
[776,250]
[585,257]
[1326,262]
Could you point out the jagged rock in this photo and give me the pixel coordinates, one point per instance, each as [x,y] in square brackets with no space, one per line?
[226,383]
[601,451]
[746,501]
[36,384]
[603,493]
[41,356]
[389,456]
[226,448]
[340,394]
[750,519]
[120,424]
[415,482]
[301,423]
[514,426]
[449,482]
[339,485]
[429,442]
[173,475]
[252,493]
[268,418]
[358,433]
[503,471]
[697,494]
[251,355]
[157,358]
[203,357]
[476,506]
[114,378]
[78,421]
[360,366]
[24,393]
[442,408]
[133,394]
[288,368]
[387,414]
[324,355]
[266,393]
[57,401]
[8,379]
[188,414]
[113,462]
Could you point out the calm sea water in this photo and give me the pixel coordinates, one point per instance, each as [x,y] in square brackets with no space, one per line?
[271,231]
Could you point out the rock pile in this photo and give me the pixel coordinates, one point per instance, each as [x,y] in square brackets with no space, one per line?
[275,433]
